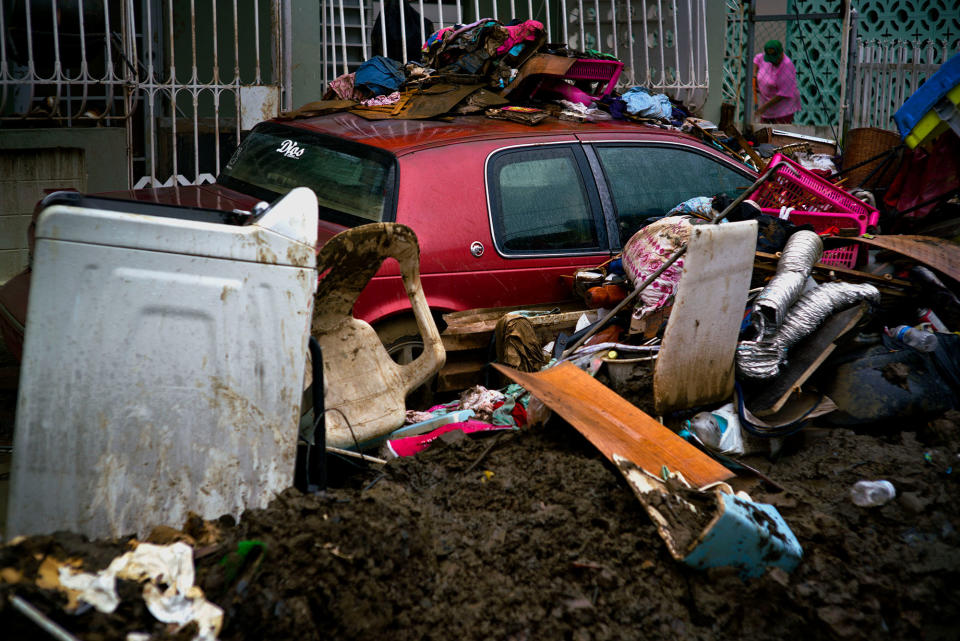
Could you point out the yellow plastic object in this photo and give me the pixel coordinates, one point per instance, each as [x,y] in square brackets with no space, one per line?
[364,389]
[932,124]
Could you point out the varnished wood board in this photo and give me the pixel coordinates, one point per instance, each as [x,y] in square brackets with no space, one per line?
[614,425]
[936,253]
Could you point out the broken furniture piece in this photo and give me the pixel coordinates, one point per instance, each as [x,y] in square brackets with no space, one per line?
[163,363]
[713,527]
[546,68]
[365,389]
[696,361]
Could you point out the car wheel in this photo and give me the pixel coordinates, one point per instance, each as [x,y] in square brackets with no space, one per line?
[402,340]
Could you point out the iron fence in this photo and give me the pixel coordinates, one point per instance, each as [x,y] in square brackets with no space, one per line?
[663,43]
[184,77]
[886,73]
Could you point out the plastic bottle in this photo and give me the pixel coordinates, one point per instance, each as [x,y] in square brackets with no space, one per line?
[915,338]
[872,493]
[719,430]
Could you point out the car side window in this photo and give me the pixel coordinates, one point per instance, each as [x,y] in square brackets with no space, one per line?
[539,201]
[647,181]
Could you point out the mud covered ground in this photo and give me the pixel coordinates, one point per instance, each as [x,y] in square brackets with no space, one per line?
[541,538]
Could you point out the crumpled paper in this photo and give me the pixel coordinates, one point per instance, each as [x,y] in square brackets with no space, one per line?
[169,565]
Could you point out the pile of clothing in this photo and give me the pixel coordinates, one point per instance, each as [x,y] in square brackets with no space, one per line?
[482,67]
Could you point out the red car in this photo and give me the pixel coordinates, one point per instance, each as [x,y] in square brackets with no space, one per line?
[502,210]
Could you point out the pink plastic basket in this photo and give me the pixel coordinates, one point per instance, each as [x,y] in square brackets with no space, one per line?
[794,186]
[821,221]
[599,70]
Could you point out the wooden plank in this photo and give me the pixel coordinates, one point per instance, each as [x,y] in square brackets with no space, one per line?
[615,426]
[695,366]
[488,325]
[805,357]
[481,314]
[825,273]
[936,253]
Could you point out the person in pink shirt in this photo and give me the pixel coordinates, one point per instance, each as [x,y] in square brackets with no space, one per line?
[776,79]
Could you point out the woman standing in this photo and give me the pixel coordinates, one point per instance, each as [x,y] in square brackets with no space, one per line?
[776,79]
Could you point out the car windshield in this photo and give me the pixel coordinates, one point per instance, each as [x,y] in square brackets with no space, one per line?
[355,184]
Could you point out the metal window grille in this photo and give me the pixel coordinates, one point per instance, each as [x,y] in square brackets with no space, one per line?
[186,77]
[183,76]
[663,43]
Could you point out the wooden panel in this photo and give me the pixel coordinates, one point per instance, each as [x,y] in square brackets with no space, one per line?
[824,273]
[936,253]
[615,426]
[695,365]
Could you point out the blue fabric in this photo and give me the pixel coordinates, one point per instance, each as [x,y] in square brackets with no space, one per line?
[701,206]
[380,75]
[640,102]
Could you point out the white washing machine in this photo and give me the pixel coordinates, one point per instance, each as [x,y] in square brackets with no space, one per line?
[163,363]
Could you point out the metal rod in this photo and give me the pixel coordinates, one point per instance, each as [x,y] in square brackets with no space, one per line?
[633,60]
[363,27]
[600,324]
[566,18]
[343,37]
[236,68]
[333,39]
[383,29]
[613,20]
[46,623]
[596,20]
[423,26]
[646,47]
[359,455]
[403,31]
[582,27]
[676,49]
[173,97]
[194,91]
[256,39]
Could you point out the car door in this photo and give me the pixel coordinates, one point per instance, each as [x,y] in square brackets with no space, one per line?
[641,181]
[500,223]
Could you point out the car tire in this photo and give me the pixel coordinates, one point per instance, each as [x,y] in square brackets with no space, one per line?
[401,338]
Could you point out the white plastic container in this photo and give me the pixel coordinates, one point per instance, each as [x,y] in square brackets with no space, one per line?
[872,493]
[163,364]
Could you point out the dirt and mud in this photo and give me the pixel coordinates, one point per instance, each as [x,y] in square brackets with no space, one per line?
[539,537]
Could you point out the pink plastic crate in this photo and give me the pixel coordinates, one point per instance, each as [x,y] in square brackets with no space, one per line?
[599,70]
[821,221]
[794,186]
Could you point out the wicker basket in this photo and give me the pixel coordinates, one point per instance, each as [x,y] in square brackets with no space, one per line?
[865,143]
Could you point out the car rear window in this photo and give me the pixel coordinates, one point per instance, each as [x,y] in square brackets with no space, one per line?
[355,184]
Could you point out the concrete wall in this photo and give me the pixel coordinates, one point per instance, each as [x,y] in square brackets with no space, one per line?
[716,35]
[31,160]
[307,54]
